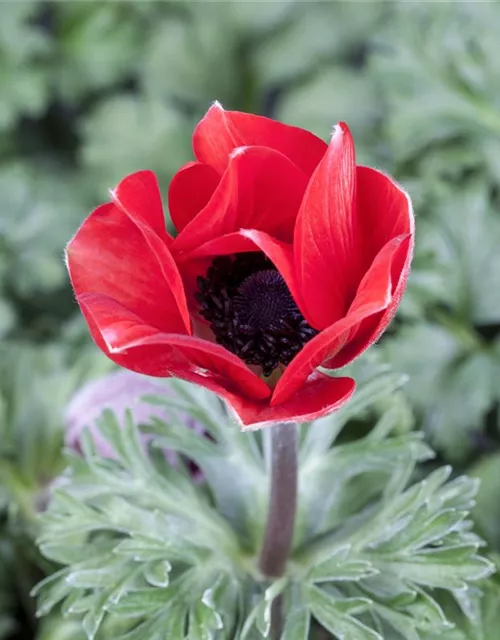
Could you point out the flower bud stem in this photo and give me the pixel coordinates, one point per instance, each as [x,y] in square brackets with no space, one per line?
[282,508]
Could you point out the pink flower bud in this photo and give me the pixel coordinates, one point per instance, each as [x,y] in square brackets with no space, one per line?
[119,391]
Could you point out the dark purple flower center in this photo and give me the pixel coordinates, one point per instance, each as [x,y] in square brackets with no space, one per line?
[251,310]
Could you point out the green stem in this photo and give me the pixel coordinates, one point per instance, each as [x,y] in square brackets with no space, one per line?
[278,536]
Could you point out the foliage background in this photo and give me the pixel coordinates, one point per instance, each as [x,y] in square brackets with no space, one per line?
[91,91]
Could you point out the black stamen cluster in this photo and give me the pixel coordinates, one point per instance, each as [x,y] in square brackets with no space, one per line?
[251,310]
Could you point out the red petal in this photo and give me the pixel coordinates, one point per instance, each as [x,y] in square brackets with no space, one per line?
[133,344]
[384,211]
[318,397]
[261,189]
[190,190]
[234,242]
[280,253]
[220,132]
[375,295]
[370,330]
[377,285]
[113,256]
[323,346]
[138,195]
[324,234]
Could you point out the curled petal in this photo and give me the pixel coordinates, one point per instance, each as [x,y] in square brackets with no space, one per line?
[383,211]
[133,344]
[138,195]
[220,132]
[325,345]
[319,396]
[381,279]
[113,256]
[347,216]
[190,190]
[234,242]
[375,296]
[324,243]
[370,330]
[261,189]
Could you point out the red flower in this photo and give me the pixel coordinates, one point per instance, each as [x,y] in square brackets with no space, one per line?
[288,256]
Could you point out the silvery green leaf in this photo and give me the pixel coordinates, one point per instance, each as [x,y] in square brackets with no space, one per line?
[427,613]
[393,516]
[263,619]
[198,402]
[259,618]
[143,549]
[404,624]
[320,435]
[486,512]
[153,628]
[126,526]
[173,436]
[56,628]
[469,601]
[441,568]
[94,617]
[105,573]
[335,616]
[232,464]
[143,602]
[325,480]
[389,589]
[75,603]
[175,623]
[297,624]
[70,554]
[204,622]
[125,442]
[424,529]
[340,567]
[157,573]
[223,597]
[51,591]
[397,417]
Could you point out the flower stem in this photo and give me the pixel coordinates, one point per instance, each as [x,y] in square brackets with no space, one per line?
[282,508]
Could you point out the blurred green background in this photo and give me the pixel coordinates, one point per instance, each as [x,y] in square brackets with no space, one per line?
[91,91]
